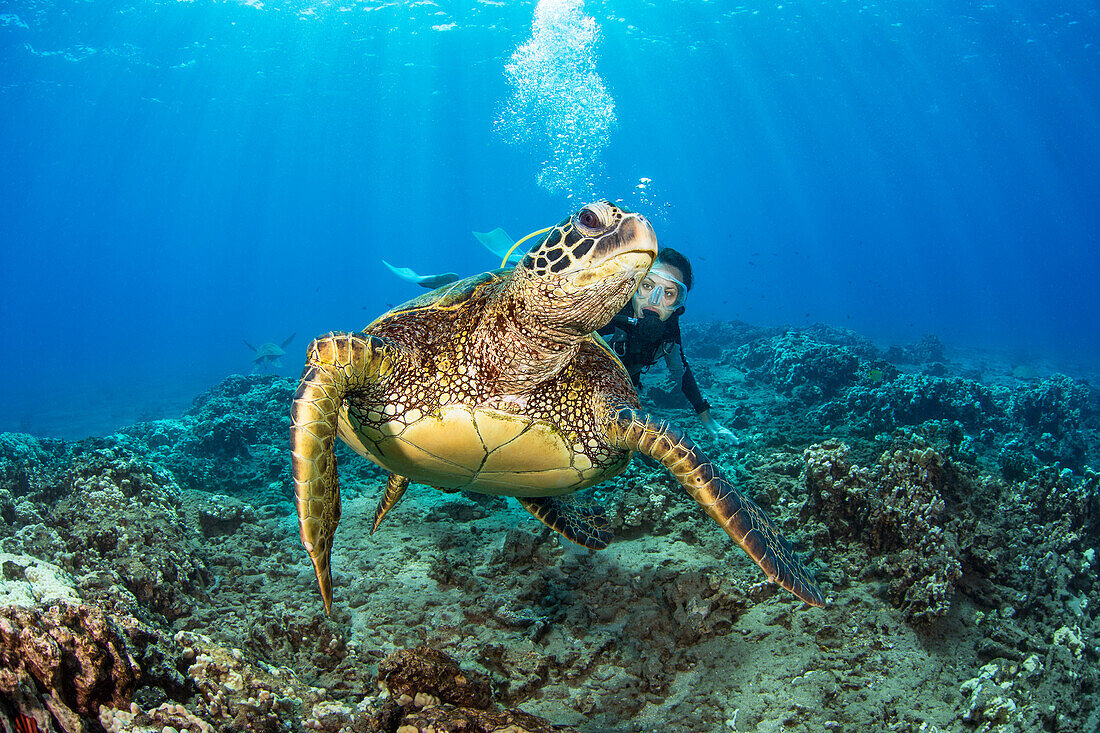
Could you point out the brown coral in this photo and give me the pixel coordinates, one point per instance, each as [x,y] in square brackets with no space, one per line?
[438,696]
[431,672]
[78,652]
[449,719]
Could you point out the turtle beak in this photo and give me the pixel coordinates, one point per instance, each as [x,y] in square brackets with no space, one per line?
[637,233]
[637,229]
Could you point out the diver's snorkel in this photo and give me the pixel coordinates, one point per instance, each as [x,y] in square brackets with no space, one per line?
[504,262]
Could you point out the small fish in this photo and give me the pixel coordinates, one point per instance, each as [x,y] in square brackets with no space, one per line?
[25,724]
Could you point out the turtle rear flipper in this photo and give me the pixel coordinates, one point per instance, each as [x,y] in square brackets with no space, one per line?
[337,362]
[739,516]
[582,523]
[395,489]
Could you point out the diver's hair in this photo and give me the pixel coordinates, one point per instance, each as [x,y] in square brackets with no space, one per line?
[672,258]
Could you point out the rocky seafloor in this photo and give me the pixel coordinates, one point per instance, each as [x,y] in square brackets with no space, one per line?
[948,503]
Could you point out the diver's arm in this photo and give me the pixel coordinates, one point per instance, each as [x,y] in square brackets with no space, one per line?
[678,365]
[684,379]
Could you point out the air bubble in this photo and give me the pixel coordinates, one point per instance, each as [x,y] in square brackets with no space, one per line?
[559,107]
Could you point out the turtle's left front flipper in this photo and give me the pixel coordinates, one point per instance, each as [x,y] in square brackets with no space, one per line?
[742,519]
[337,363]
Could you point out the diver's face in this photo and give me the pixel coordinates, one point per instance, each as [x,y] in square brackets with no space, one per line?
[661,292]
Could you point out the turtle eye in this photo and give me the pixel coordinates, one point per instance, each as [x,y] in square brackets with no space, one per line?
[589,219]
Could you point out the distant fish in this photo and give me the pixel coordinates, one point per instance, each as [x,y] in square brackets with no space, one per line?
[1025,373]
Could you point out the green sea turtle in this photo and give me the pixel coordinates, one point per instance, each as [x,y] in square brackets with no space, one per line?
[497,384]
[268,355]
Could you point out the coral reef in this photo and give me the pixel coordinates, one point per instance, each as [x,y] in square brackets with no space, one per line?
[798,365]
[910,399]
[71,662]
[76,653]
[898,511]
[232,441]
[136,534]
[153,579]
[439,696]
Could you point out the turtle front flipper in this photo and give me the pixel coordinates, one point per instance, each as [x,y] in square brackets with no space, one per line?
[583,524]
[395,489]
[739,516]
[337,363]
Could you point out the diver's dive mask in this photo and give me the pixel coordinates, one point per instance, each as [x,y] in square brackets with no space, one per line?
[661,292]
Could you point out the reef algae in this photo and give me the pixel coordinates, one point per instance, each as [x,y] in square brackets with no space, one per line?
[153,579]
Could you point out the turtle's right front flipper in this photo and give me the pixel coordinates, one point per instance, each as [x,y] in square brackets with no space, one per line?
[337,363]
[738,515]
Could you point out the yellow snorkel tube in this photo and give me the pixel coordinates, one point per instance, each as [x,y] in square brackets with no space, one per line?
[504,262]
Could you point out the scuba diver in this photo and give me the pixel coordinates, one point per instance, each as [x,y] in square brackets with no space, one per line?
[646,330]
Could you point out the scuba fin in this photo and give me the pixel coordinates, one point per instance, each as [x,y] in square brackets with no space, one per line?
[498,242]
[424,281]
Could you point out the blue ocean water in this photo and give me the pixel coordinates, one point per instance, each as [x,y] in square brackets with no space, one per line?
[176,177]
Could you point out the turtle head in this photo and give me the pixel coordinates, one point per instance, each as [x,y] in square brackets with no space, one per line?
[587,267]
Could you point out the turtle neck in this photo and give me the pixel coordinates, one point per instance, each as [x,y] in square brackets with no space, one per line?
[516,347]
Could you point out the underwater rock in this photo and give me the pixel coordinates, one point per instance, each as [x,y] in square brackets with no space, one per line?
[1054,405]
[30,583]
[646,505]
[1068,501]
[32,468]
[449,719]
[856,343]
[1016,460]
[710,339]
[190,557]
[137,531]
[911,399]
[990,705]
[233,439]
[230,691]
[219,514]
[1052,413]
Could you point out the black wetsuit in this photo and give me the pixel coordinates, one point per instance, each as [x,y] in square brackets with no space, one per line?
[639,348]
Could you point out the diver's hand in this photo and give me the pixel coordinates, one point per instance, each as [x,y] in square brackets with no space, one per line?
[716,429]
[649,327]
